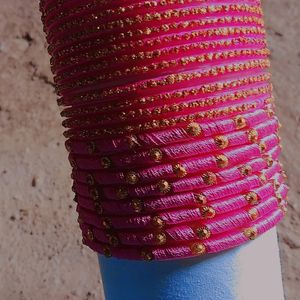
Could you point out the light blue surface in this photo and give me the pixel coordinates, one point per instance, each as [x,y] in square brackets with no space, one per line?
[231,275]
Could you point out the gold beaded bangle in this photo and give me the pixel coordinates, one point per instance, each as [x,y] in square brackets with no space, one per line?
[96,54]
[205,58]
[159,16]
[163,123]
[171,79]
[210,101]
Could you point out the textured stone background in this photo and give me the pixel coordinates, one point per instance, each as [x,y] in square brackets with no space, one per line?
[40,251]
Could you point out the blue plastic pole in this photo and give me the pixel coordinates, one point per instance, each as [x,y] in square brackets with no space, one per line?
[249,272]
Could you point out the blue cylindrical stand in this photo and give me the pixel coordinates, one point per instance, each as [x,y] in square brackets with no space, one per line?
[249,272]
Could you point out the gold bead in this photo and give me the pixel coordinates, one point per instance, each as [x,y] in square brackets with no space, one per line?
[156,154]
[198,248]
[161,238]
[253,213]
[200,198]
[283,208]
[105,162]
[193,129]
[269,161]
[263,178]
[207,212]
[106,222]
[98,208]
[131,177]
[240,122]
[121,192]
[250,233]
[262,147]
[90,235]
[113,240]
[252,135]
[107,251]
[91,147]
[252,198]
[209,178]
[90,179]
[137,205]
[132,141]
[222,161]
[164,186]
[94,193]
[158,222]
[179,170]
[278,197]
[203,232]
[146,255]
[221,141]
[246,170]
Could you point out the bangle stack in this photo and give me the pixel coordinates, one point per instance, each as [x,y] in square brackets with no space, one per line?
[170,123]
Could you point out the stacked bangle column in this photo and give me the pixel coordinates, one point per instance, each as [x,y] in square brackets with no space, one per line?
[170,123]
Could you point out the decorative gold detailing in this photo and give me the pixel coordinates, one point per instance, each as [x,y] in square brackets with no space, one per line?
[245,170]
[263,178]
[137,205]
[122,192]
[146,255]
[203,232]
[90,235]
[253,213]
[193,129]
[105,162]
[200,198]
[157,221]
[107,251]
[262,147]
[278,197]
[131,177]
[132,141]
[252,198]
[164,186]
[98,208]
[161,238]
[252,135]
[179,170]
[221,141]
[240,122]
[207,212]
[209,178]
[198,249]
[90,179]
[210,101]
[113,240]
[156,154]
[91,147]
[250,233]
[222,161]
[161,123]
[106,222]
[269,161]
[283,208]
[94,193]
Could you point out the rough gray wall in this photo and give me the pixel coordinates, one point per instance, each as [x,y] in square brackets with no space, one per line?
[40,251]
